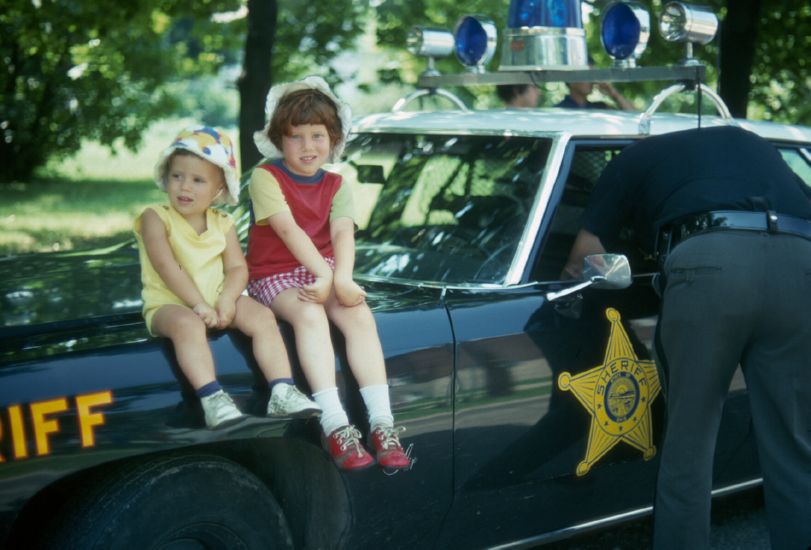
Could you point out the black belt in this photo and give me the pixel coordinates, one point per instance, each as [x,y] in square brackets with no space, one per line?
[769,222]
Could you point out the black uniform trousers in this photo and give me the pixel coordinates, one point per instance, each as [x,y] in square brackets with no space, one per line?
[736,297]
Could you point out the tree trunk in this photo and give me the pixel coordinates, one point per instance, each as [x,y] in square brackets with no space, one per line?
[738,40]
[255,80]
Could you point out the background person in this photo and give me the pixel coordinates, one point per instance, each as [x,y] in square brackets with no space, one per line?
[301,255]
[579,92]
[518,96]
[731,218]
[193,275]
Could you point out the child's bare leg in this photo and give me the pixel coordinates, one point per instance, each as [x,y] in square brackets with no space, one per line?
[363,349]
[255,320]
[365,354]
[316,355]
[258,322]
[313,341]
[188,334]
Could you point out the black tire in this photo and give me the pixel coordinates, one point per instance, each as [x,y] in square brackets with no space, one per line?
[174,502]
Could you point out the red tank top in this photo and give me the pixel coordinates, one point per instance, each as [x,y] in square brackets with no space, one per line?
[310,204]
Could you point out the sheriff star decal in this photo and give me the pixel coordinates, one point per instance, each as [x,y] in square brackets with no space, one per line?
[618,395]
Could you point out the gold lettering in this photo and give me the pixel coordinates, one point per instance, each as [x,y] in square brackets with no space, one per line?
[15,417]
[88,419]
[42,426]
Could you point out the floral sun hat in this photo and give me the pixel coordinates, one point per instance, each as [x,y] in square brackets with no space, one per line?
[276,93]
[210,144]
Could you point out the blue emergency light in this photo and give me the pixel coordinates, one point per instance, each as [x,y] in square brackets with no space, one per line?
[625,32]
[544,13]
[544,34]
[475,41]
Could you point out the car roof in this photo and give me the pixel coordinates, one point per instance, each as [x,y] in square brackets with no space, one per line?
[584,123]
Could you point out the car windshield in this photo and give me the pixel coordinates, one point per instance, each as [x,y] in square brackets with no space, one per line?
[439,208]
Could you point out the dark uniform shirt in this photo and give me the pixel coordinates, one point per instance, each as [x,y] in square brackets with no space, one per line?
[659,180]
[569,103]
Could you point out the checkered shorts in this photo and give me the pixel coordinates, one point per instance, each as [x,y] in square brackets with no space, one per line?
[266,289]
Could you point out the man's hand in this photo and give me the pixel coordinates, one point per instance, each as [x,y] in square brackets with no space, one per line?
[585,244]
[206,313]
[348,292]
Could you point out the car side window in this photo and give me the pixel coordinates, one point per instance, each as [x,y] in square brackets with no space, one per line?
[587,163]
[799,159]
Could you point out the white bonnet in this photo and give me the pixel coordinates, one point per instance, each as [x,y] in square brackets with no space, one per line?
[276,93]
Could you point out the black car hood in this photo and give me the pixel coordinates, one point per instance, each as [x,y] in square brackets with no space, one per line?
[41,289]
[65,297]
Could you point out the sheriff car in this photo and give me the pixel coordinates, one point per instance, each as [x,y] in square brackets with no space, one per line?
[533,406]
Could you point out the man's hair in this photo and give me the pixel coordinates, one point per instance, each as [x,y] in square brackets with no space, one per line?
[305,107]
[508,92]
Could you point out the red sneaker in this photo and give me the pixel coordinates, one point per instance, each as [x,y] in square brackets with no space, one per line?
[386,445]
[343,445]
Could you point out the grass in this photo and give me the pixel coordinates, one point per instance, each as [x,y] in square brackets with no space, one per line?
[66,214]
[86,201]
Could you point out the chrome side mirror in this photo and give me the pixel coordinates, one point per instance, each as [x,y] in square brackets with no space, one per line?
[607,271]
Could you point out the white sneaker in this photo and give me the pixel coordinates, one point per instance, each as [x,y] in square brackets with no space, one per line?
[220,410]
[287,401]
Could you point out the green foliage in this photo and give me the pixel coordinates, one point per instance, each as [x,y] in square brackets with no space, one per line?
[782,75]
[309,35]
[79,70]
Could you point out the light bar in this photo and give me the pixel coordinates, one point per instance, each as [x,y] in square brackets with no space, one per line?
[625,31]
[476,39]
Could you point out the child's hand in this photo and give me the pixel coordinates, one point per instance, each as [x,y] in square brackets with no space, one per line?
[226,310]
[349,293]
[317,292]
[206,313]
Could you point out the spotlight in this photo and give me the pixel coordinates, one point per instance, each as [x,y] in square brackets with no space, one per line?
[682,22]
[430,43]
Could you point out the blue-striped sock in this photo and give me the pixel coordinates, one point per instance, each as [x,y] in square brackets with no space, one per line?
[209,389]
[275,381]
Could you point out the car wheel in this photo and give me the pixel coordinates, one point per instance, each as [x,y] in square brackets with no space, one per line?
[174,502]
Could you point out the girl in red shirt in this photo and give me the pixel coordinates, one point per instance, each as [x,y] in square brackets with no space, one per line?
[301,255]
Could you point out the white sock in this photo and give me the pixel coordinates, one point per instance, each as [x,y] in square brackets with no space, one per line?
[333,415]
[378,405]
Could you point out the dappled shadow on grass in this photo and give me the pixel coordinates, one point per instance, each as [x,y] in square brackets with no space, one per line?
[68,214]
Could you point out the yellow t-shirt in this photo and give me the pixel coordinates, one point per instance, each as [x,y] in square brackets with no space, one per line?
[199,255]
[268,199]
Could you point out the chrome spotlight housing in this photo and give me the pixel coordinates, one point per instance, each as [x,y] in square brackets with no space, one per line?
[681,22]
[430,43]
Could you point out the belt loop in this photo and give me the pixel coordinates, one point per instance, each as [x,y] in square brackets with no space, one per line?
[771,221]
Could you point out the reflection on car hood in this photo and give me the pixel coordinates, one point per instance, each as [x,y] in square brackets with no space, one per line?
[48,288]
[41,293]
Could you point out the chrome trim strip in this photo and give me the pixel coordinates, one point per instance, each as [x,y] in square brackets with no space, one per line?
[451,133]
[587,526]
[544,193]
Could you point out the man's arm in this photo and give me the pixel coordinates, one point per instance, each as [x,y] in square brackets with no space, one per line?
[585,243]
